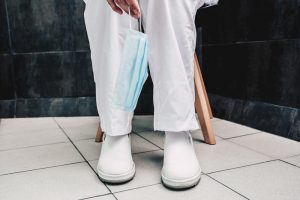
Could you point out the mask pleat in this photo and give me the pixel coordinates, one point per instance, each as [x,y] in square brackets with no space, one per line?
[133,71]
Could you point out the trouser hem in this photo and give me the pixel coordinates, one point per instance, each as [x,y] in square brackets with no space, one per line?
[119,132]
[176,126]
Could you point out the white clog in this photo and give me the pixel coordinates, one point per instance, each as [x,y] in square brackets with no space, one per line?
[181,168]
[115,163]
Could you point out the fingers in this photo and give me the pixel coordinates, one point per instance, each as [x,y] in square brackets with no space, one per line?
[135,8]
[114,7]
[123,5]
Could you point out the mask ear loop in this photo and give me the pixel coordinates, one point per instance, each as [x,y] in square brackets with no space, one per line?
[130,26]
[140,20]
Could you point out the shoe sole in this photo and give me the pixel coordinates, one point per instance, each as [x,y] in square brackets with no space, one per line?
[119,178]
[181,184]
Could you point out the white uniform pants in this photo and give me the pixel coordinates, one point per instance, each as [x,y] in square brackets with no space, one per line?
[170,27]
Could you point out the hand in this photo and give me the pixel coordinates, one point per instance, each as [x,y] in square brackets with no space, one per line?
[123,5]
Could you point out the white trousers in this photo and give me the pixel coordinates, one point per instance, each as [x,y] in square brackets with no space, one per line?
[171,31]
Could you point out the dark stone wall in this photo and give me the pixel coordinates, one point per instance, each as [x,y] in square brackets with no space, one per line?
[251,63]
[45,67]
[249,50]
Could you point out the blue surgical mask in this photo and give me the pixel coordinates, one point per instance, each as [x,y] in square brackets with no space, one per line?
[133,70]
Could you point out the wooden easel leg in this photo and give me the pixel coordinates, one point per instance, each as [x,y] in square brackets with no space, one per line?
[202,106]
[99,136]
[203,87]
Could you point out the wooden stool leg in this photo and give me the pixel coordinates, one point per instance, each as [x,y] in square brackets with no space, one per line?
[203,87]
[99,136]
[202,106]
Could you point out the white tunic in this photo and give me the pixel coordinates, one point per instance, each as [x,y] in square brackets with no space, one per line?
[171,31]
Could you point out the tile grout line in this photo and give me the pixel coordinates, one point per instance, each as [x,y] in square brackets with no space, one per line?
[228,187]
[11,53]
[82,155]
[138,153]
[293,121]
[147,139]
[83,139]
[8,27]
[40,145]
[243,135]
[92,160]
[228,140]
[289,163]
[215,119]
[259,163]
[136,132]
[41,168]
[43,144]
[102,195]
[151,151]
[137,188]
[247,42]
[50,52]
[251,149]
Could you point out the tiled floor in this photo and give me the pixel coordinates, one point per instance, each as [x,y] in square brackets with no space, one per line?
[55,158]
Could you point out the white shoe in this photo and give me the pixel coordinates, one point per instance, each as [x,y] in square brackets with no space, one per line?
[211,2]
[208,3]
[115,163]
[181,168]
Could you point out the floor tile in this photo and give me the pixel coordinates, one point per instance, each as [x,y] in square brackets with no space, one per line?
[148,171]
[26,125]
[32,138]
[38,157]
[226,129]
[269,144]
[207,189]
[295,160]
[105,197]
[157,137]
[274,180]
[139,144]
[79,128]
[225,155]
[244,159]
[74,181]
[91,149]
[142,123]
[215,119]
[69,121]
[198,136]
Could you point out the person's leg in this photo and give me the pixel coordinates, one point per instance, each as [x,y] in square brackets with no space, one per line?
[170,27]
[106,33]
